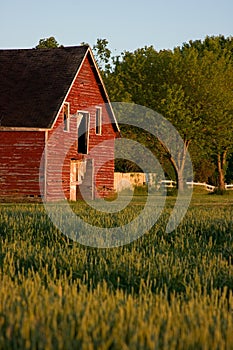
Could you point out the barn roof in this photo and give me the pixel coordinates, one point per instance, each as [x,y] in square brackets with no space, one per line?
[34,83]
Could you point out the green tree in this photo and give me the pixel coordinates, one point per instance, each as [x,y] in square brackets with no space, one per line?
[216,98]
[102,55]
[153,80]
[47,43]
[190,86]
[108,66]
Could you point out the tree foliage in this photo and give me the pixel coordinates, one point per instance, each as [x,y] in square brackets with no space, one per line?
[47,43]
[192,86]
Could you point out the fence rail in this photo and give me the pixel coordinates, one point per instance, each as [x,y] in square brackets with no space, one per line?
[230,187]
[210,188]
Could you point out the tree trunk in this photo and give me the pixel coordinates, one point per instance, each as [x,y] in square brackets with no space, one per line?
[221,170]
[179,163]
[180,180]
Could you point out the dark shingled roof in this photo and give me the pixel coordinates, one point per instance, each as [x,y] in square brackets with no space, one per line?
[34,83]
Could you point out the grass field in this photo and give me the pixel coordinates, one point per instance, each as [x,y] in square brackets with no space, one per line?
[163,291]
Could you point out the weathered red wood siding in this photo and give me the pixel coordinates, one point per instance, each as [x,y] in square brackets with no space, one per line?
[20,155]
[85,95]
[58,157]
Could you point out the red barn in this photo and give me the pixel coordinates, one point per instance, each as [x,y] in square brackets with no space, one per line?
[54,112]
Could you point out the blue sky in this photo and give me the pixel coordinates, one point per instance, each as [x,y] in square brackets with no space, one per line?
[126,24]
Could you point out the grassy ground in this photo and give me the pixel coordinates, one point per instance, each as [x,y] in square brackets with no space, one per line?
[163,291]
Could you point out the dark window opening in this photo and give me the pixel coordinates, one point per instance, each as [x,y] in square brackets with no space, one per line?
[83,133]
[98,121]
[66,116]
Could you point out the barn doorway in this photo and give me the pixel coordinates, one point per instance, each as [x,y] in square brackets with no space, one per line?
[82,179]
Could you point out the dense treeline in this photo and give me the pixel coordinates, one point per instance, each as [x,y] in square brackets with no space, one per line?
[191,86]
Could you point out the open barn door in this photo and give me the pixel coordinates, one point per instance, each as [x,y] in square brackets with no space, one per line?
[81,179]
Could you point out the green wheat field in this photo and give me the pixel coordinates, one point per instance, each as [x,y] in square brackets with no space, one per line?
[163,291]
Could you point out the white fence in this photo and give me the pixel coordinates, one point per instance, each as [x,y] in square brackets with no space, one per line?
[130,180]
[210,188]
